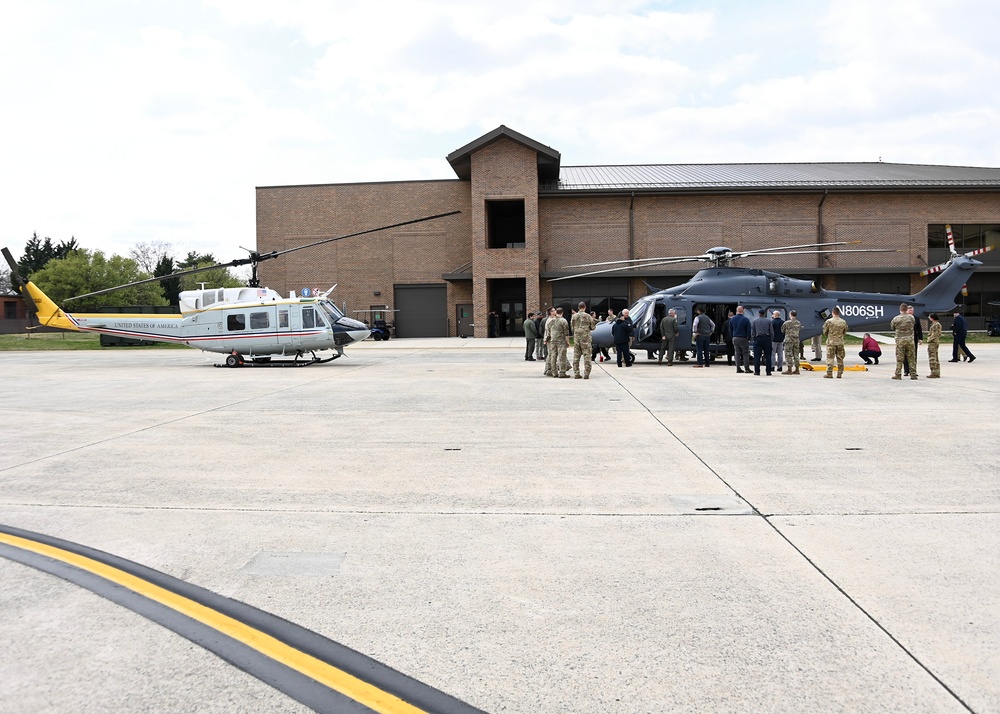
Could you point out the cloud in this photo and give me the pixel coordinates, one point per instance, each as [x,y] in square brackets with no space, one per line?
[129,122]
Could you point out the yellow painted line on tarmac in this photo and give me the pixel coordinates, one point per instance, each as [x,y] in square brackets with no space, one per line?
[326,674]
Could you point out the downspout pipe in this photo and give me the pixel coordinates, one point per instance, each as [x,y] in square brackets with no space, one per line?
[819,227]
[631,238]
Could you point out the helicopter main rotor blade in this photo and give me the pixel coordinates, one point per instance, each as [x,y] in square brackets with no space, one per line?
[706,257]
[654,264]
[678,259]
[770,251]
[275,254]
[182,273]
[255,258]
[844,250]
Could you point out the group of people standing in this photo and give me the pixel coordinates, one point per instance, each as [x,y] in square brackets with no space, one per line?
[772,341]
[548,338]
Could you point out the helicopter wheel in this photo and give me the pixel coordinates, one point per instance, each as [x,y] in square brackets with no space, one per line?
[233,361]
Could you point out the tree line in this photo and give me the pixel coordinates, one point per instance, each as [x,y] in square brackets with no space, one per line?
[65,269]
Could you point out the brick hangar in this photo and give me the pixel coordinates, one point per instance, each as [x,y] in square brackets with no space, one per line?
[525,219]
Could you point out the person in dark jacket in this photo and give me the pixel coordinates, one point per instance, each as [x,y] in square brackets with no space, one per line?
[622,331]
[727,337]
[960,331]
[702,329]
[761,331]
[739,325]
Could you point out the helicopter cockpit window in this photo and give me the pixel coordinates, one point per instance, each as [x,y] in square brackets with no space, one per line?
[332,310]
[259,321]
[236,322]
[308,317]
[638,311]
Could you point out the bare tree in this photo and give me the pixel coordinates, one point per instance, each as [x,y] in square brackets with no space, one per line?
[148,255]
[6,288]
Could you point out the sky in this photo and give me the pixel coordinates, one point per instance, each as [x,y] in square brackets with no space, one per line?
[131,122]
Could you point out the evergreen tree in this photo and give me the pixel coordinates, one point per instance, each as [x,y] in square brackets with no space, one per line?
[171,286]
[38,252]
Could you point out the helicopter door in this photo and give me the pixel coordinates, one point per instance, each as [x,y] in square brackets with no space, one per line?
[261,321]
[283,326]
[294,338]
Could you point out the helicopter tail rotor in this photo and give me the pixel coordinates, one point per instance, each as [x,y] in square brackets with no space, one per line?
[954,254]
[20,284]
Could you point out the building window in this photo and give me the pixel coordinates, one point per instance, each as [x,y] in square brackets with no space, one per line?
[505,224]
[968,237]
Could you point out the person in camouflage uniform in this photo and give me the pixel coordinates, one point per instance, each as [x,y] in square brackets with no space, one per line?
[933,342]
[792,328]
[583,322]
[834,330]
[903,325]
[557,340]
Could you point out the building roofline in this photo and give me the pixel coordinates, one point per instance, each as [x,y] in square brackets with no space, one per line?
[548,158]
[357,183]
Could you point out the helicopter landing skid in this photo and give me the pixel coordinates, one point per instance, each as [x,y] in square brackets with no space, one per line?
[236,360]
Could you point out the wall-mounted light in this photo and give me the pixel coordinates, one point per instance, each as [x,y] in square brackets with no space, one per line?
[377,293]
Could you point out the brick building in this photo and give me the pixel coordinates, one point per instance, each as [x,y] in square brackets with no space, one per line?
[525,219]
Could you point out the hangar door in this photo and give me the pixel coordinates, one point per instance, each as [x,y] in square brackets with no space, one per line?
[423,311]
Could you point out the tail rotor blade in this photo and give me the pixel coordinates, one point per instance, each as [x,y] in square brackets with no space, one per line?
[19,283]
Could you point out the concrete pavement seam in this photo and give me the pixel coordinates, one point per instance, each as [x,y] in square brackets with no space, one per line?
[809,560]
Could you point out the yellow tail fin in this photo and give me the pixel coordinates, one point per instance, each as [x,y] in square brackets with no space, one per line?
[49,313]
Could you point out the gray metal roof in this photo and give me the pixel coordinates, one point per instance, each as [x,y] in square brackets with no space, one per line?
[746,177]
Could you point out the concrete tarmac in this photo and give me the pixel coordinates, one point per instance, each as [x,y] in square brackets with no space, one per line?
[653,539]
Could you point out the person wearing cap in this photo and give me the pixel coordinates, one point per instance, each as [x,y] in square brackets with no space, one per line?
[761,334]
[959,330]
[791,328]
[933,341]
[834,330]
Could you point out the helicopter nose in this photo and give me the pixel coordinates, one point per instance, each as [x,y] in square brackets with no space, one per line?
[357,331]
[601,335]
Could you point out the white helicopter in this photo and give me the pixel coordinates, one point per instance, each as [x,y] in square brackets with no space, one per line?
[250,323]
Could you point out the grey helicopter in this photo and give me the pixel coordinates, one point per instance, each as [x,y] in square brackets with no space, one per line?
[722,287]
[250,325]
